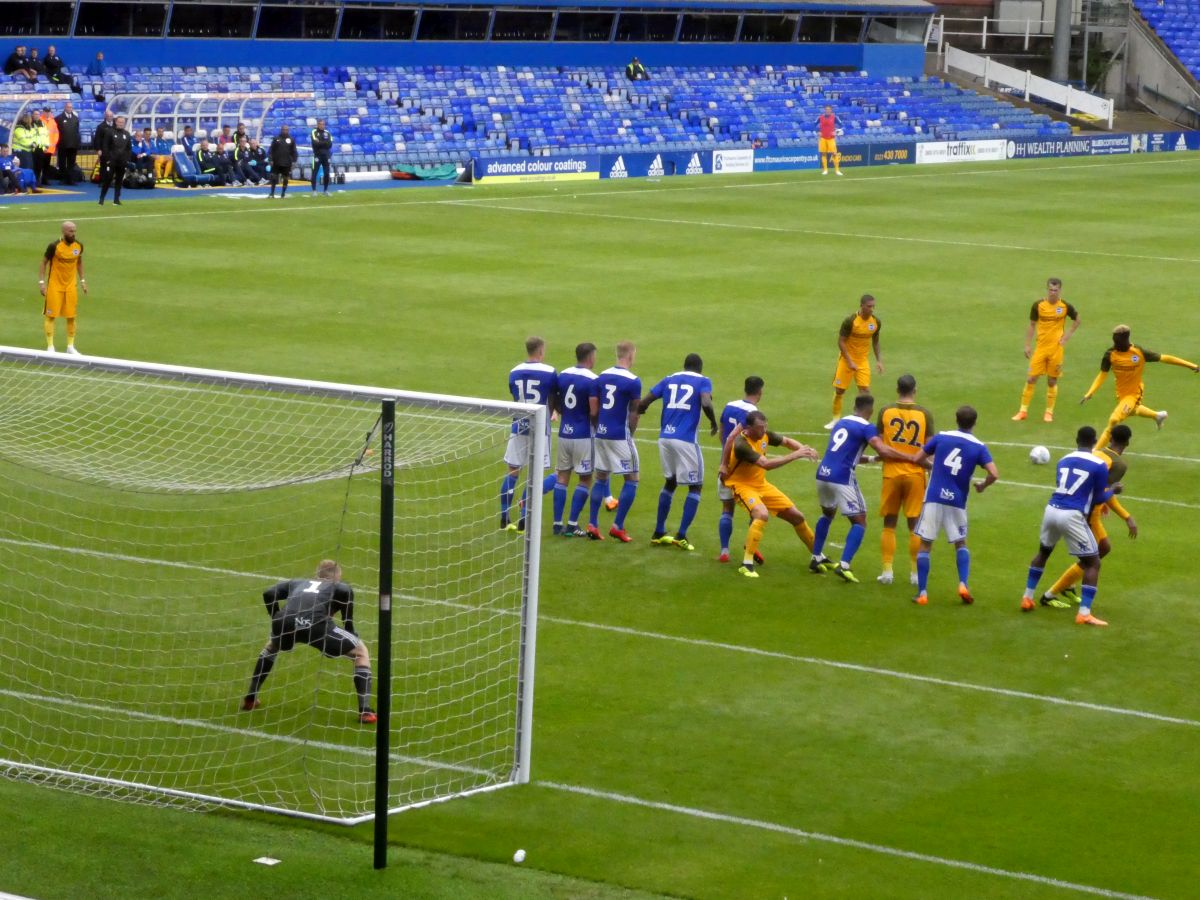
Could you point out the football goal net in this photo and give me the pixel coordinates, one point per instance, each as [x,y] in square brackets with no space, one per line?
[147,509]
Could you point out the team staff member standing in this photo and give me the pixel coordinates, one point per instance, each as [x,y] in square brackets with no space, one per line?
[68,141]
[283,156]
[1048,319]
[62,262]
[322,146]
[118,150]
[99,136]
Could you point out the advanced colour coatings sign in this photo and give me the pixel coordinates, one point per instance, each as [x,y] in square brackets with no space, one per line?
[537,168]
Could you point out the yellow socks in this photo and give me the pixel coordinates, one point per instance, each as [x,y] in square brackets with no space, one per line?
[805,534]
[1072,576]
[914,545]
[757,527]
[1145,412]
[887,547]
[837,405]
[48,327]
[1026,396]
[1051,397]
[70,332]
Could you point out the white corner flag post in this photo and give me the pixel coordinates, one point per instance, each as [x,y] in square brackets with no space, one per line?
[539,447]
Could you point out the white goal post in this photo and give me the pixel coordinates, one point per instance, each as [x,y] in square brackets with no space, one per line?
[146,510]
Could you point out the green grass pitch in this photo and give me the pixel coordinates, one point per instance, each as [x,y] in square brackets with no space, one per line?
[697,735]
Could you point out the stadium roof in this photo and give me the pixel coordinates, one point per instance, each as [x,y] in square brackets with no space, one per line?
[850,7]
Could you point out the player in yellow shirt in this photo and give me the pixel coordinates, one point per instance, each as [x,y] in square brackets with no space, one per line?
[744,467]
[1048,322]
[1065,586]
[858,336]
[61,265]
[1128,360]
[906,427]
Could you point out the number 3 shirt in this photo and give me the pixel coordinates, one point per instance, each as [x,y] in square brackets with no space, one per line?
[955,454]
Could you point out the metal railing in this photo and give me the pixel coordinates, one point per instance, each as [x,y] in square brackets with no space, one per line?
[968,31]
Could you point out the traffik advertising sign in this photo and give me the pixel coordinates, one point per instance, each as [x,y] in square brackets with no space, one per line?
[961,151]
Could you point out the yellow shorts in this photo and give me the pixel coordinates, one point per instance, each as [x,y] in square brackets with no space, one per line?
[1096,523]
[860,376]
[1047,361]
[1126,407]
[903,493]
[826,145]
[775,500]
[60,302]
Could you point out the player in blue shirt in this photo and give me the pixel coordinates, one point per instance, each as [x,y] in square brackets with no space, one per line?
[532,381]
[837,484]
[733,415]
[576,387]
[684,394]
[1082,483]
[614,409]
[955,455]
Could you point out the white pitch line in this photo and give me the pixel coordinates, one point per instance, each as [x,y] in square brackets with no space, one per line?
[818,232]
[882,849]
[204,725]
[694,642]
[610,191]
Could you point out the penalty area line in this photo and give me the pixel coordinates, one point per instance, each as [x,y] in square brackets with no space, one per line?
[851,843]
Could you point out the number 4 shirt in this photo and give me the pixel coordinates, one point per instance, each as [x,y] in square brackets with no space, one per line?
[956,455]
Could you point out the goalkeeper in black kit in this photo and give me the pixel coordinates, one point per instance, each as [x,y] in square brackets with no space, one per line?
[302,610]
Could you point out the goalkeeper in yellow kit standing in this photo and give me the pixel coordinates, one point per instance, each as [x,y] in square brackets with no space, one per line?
[61,265]
[1128,360]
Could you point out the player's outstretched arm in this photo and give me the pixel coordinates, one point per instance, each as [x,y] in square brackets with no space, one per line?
[644,403]
[886,452]
[993,475]
[1176,361]
[1091,392]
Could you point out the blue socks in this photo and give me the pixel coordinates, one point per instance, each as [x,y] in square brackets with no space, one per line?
[624,501]
[1087,595]
[820,533]
[691,503]
[963,558]
[577,500]
[1035,575]
[507,487]
[560,501]
[725,530]
[664,509]
[853,541]
[599,492]
[922,571]
[548,484]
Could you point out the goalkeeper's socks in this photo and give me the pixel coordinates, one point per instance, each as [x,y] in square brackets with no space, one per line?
[628,492]
[549,482]
[577,500]
[820,534]
[507,487]
[262,668]
[664,509]
[725,530]
[599,492]
[362,687]
[691,503]
[560,500]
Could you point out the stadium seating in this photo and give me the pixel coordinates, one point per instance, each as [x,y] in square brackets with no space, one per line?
[1178,24]
[431,114]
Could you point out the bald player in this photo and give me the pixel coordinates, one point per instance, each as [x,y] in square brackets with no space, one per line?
[1128,361]
[62,265]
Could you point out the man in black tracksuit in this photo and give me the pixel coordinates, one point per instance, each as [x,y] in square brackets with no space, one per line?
[99,136]
[322,146]
[283,156]
[68,141]
[117,151]
[208,162]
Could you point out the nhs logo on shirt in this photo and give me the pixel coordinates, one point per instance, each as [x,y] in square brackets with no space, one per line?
[825,471]
[601,430]
[618,169]
[947,494]
[668,429]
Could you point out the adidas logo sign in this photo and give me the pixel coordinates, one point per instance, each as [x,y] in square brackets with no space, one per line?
[1181,144]
[618,169]
[656,168]
[693,166]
